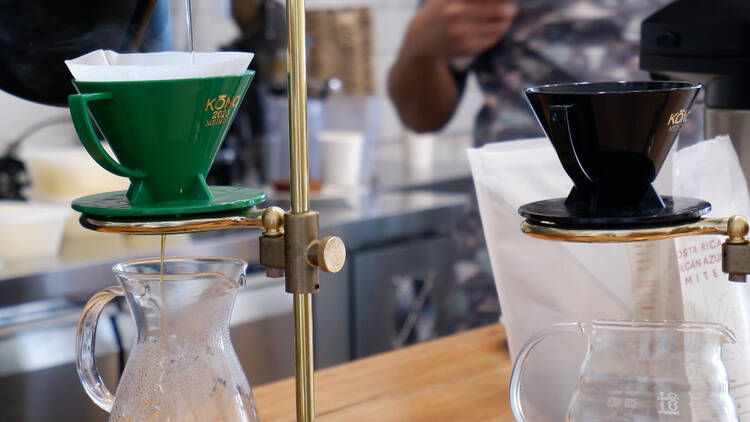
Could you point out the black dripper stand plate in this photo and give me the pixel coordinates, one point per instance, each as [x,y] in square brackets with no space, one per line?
[553,212]
[116,205]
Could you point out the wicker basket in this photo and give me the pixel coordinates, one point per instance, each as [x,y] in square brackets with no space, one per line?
[341,47]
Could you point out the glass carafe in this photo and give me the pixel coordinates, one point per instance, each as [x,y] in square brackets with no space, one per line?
[183,366]
[643,371]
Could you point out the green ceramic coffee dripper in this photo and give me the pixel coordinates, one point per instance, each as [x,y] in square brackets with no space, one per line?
[165,135]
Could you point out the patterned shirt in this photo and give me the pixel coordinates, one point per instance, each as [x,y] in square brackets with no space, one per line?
[555,41]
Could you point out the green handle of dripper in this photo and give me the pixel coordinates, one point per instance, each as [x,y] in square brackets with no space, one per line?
[79,111]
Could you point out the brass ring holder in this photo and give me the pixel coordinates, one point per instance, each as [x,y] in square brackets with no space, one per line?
[614,235]
[735,250]
[251,218]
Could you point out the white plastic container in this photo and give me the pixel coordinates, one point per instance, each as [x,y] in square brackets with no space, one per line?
[30,230]
[419,150]
[342,158]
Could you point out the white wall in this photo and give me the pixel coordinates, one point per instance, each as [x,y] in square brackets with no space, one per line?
[19,116]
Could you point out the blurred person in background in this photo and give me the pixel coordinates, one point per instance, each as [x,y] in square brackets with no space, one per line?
[508,45]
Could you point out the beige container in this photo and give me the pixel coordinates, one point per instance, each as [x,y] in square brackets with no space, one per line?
[61,174]
[30,230]
[65,173]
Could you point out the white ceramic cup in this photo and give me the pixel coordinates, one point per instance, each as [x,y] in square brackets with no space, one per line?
[341,153]
[419,150]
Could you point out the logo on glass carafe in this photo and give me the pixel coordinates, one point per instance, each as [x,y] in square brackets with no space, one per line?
[669,403]
[623,399]
[220,108]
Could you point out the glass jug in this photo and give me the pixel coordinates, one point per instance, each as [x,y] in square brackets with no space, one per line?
[643,371]
[183,366]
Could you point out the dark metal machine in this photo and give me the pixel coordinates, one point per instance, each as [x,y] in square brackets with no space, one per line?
[707,42]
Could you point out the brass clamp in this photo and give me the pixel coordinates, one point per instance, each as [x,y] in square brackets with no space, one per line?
[289,246]
[735,252]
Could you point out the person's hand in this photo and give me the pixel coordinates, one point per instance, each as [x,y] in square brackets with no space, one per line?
[444,29]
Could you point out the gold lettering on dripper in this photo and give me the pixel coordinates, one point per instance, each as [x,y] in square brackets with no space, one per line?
[676,120]
[221,108]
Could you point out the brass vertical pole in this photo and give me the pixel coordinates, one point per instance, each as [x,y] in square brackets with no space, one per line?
[298,187]
[297,92]
[303,335]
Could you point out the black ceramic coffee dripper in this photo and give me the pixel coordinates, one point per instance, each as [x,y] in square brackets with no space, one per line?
[612,139]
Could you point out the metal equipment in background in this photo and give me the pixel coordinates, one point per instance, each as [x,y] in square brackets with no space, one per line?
[707,42]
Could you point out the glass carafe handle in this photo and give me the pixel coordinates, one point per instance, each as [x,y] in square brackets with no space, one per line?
[520,366]
[85,356]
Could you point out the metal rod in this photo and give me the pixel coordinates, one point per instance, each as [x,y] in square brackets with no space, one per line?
[303,335]
[298,189]
[297,92]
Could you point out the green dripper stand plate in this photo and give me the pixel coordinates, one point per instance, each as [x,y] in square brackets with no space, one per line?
[116,204]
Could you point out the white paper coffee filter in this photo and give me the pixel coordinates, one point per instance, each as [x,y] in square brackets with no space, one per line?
[108,66]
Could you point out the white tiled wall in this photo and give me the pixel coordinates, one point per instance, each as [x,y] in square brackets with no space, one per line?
[18,116]
[390,20]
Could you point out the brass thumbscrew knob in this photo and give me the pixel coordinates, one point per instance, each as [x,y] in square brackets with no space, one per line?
[273,221]
[328,254]
[737,229]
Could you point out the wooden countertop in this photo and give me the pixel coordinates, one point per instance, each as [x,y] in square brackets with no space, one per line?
[463,377]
